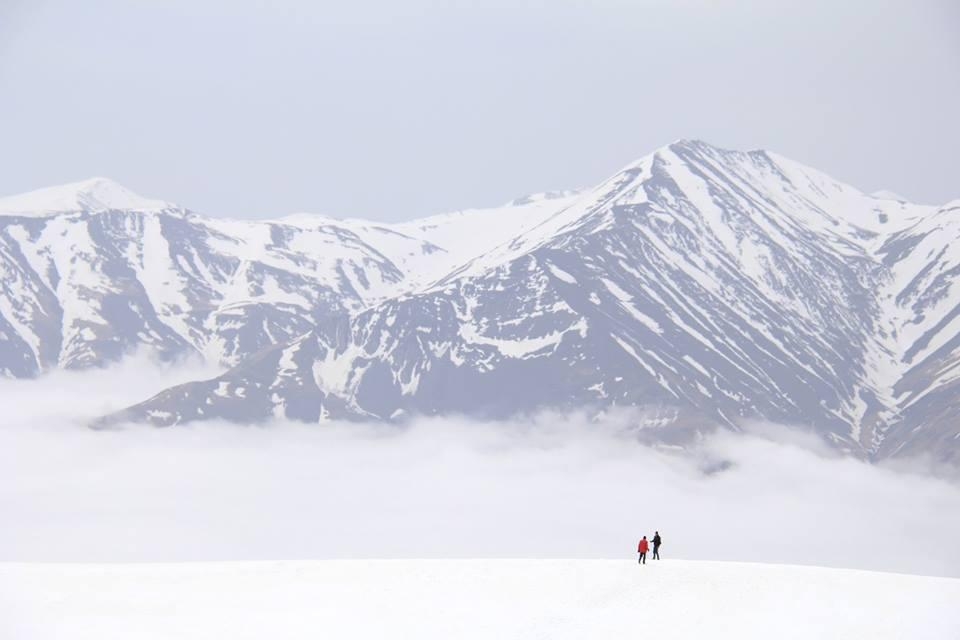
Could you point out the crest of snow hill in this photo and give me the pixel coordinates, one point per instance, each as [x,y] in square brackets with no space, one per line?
[706,286]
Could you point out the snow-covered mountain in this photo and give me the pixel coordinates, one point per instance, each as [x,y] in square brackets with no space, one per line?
[708,286]
[91,271]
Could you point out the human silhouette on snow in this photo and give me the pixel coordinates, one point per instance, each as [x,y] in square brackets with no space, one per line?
[642,549]
[656,545]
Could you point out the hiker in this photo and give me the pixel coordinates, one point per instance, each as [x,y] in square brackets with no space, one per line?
[642,549]
[656,545]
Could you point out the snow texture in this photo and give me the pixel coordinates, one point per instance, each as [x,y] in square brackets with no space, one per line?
[471,599]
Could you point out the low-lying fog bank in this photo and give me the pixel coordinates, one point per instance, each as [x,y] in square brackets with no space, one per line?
[547,486]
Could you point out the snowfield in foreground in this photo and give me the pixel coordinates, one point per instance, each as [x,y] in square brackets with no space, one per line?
[470,599]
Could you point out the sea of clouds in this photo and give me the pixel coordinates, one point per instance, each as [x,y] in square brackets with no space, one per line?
[548,485]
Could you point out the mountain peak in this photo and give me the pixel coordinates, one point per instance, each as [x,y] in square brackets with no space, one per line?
[683,147]
[689,142]
[90,195]
[693,144]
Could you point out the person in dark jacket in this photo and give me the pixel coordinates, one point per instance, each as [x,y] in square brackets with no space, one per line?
[642,549]
[656,545]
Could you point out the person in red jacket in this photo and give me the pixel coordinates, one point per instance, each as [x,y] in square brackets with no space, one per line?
[642,549]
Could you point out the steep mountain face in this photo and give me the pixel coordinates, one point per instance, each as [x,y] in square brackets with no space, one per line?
[922,264]
[85,286]
[708,286]
[91,272]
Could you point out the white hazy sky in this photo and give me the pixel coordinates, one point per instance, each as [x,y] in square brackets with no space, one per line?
[391,110]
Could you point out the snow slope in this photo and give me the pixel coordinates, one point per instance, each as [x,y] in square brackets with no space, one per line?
[449,239]
[94,194]
[471,599]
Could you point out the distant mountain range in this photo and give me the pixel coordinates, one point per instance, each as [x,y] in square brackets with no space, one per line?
[705,286]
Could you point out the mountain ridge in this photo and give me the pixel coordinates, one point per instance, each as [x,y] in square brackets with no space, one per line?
[90,195]
[709,284]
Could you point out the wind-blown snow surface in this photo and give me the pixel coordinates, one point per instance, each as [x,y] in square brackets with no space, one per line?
[472,599]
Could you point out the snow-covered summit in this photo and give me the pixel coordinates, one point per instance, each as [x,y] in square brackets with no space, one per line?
[91,195]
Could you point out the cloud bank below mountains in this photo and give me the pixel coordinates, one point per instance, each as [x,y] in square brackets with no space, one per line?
[544,486]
